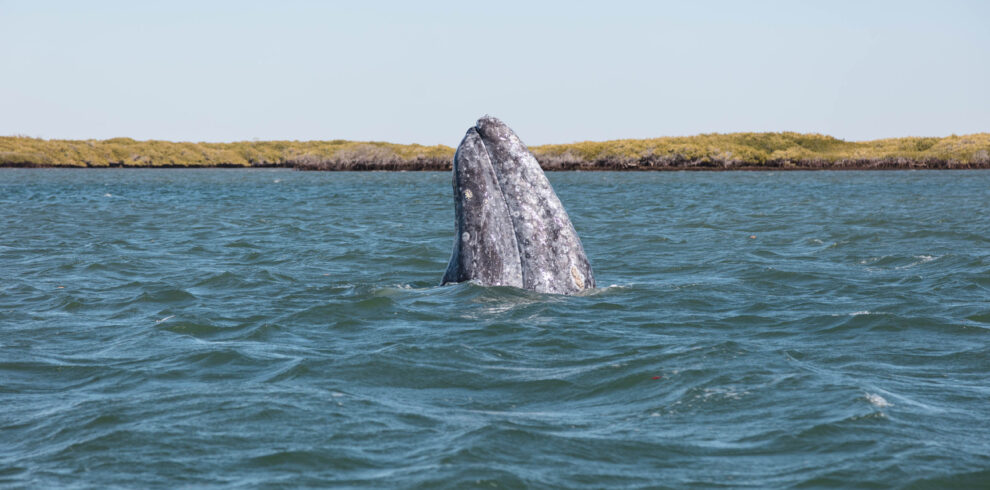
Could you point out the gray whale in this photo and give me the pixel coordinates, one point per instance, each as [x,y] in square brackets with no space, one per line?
[511,229]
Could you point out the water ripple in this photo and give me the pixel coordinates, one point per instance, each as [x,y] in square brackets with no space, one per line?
[219,328]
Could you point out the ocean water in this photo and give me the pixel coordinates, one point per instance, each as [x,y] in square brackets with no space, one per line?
[271,328]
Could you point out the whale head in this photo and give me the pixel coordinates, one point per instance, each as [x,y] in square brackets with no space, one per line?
[510,227]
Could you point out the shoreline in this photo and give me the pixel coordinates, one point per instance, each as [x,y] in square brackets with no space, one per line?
[594,166]
[705,152]
[361,168]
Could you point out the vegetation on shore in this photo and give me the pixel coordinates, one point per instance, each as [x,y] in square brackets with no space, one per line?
[701,152]
[19,151]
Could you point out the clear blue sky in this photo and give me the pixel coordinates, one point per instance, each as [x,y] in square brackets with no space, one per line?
[556,71]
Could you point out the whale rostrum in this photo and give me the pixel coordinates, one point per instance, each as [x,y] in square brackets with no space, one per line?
[511,229]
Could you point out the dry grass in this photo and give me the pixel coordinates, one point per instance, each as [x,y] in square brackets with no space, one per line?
[769,150]
[706,151]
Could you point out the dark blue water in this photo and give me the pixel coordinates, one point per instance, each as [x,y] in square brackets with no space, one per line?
[167,328]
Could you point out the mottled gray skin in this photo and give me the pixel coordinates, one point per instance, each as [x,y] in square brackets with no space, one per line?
[551,257]
[485,248]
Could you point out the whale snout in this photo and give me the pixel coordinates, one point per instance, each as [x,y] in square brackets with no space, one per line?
[492,129]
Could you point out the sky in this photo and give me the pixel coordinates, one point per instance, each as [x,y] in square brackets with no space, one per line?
[557,72]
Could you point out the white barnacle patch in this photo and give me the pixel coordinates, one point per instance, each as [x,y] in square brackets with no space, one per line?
[465,236]
[578,277]
[468,194]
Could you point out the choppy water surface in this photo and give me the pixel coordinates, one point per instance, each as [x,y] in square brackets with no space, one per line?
[163,328]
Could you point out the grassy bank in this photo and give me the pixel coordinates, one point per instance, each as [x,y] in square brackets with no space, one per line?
[125,152]
[702,152]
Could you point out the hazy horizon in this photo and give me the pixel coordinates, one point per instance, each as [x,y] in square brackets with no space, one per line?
[557,73]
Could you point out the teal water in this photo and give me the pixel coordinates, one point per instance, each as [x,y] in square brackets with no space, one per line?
[230,328]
